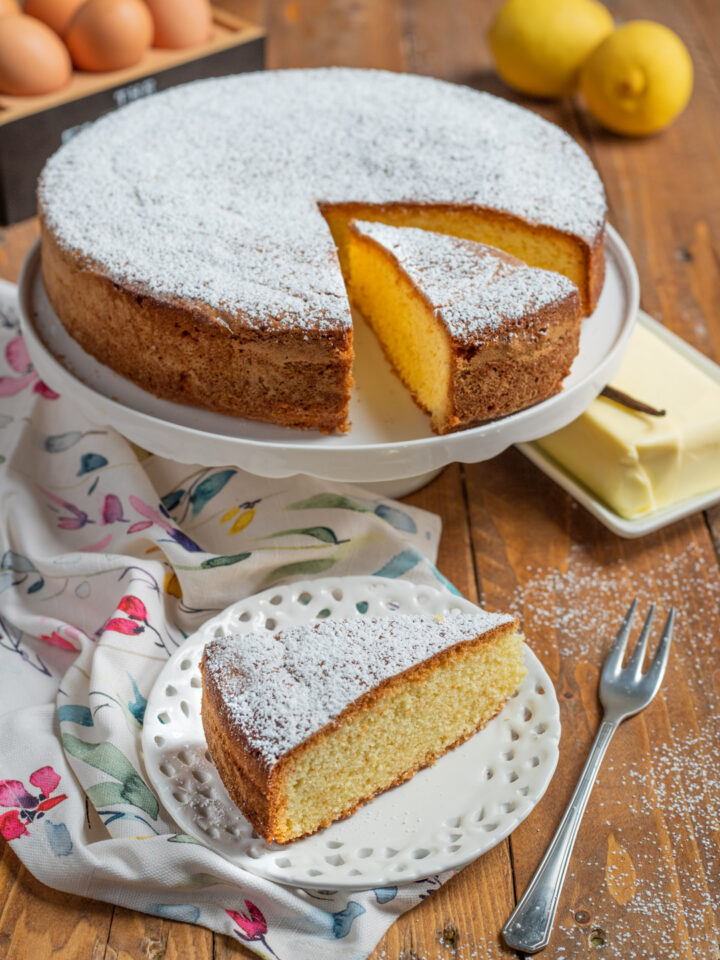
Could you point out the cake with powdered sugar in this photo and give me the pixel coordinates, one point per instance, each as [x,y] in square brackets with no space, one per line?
[195,241]
[473,332]
[307,725]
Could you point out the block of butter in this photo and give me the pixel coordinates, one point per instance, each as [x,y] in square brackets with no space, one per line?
[635,462]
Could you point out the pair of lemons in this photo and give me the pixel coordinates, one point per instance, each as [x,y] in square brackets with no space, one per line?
[635,79]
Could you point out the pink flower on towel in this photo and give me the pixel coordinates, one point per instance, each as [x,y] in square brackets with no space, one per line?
[25,805]
[252,925]
[11,826]
[75,522]
[14,794]
[57,640]
[139,619]
[78,519]
[46,779]
[112,509]
[45,391]
[134,608]
[18,359]
[129,627]
[162,521]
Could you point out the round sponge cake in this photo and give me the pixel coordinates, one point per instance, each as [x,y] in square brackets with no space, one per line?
[195,241]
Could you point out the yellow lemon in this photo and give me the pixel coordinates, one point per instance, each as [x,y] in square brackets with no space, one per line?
[540,45]
[639,78]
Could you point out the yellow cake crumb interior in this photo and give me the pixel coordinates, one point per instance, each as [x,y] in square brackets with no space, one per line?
[405,730]
[406,327]
[544,248]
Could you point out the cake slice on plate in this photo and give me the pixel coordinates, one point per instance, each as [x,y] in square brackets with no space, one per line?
[307,725]
[473,332]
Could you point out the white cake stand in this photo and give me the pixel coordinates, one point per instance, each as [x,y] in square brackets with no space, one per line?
[390,445]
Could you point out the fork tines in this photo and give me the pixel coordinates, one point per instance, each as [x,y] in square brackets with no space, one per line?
[614,662]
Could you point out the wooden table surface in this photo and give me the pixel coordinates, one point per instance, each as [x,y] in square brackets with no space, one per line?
[644,881]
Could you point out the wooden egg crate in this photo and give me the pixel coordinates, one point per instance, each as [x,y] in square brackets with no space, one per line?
[32,128]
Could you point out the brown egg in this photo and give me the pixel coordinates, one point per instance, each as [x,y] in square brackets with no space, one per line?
[180,23]
[109,34]
[8,7]
[57,14]
[33,59]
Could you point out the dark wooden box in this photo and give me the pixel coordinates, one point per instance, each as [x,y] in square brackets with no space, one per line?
[32,128]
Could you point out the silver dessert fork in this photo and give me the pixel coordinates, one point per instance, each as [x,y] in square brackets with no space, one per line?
[623,692]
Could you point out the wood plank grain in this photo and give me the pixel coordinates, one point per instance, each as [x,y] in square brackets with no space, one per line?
[15,241]
[445,497]
[37,922]
[644,873]
[343,33]
[229,948]
[134,935]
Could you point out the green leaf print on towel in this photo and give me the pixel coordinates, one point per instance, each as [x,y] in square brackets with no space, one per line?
[224,561]
[307,567]
[208,488]
[318,533]
[328,501]
[130,789]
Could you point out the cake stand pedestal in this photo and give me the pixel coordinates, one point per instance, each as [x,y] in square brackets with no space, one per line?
[392,489]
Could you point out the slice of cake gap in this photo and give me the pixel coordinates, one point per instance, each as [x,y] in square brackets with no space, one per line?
[474,333]
[307,725]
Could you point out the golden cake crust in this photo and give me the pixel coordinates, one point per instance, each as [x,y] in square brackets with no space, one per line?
[191,354]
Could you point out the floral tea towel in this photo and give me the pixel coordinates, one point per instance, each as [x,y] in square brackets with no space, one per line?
[110,558]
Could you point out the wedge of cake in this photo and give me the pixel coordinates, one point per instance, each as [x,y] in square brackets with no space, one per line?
[474,333]
[307,725]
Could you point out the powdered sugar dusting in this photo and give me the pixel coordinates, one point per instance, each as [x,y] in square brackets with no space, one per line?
[575,612]
[279,690]
[209,191]
[474,289]
[667,793]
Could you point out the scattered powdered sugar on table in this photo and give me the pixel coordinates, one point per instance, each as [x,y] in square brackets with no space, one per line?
[678,782]
[472,287]
[582,607]
[279,690]
[210,191]
[674,787]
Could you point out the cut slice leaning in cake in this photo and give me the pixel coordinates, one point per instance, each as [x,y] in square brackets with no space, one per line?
[307,725]
[474,333]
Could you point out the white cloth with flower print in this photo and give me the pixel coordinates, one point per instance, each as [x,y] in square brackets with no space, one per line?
[110,558]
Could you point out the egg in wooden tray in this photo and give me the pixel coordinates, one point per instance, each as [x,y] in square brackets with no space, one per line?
[40,45]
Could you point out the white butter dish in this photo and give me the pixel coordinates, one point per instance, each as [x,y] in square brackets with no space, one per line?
[656,519]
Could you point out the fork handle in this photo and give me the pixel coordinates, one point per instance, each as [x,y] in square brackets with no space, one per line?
[530,924]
